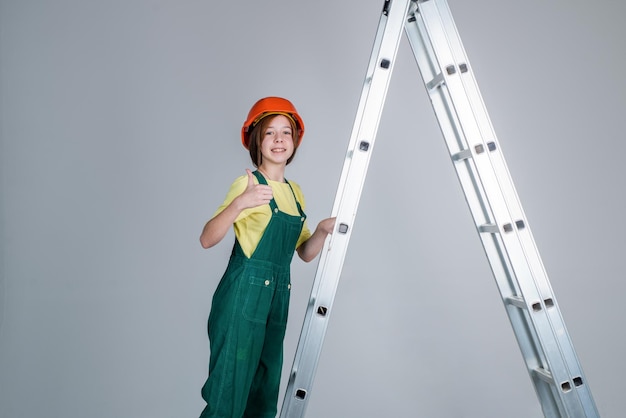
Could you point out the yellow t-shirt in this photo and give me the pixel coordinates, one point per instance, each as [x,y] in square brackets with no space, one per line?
[251,223]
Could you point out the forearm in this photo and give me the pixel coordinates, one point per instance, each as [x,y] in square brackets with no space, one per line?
[310,248]
[215,229]
[254,195]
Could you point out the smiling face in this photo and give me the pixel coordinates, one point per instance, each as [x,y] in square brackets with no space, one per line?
[273,141]
[277,144]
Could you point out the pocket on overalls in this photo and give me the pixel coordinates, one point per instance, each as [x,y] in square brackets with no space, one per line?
[280,307]
[258,301]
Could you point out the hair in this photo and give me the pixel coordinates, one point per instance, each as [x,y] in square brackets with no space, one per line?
[258,133]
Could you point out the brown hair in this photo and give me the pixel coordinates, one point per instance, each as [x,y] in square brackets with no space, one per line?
[258,133]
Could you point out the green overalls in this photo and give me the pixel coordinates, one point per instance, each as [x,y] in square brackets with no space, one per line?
[248,320]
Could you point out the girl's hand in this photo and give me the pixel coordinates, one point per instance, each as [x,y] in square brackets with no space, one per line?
[255,194]
[310,248]
[326,226]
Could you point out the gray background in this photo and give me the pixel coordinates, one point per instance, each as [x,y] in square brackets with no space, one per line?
[120,136]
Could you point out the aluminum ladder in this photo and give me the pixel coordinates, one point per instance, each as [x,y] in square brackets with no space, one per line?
[496,210]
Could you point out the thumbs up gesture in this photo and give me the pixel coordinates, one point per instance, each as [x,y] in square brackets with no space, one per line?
[255,194]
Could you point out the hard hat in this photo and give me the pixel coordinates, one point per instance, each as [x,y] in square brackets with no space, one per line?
[270,106]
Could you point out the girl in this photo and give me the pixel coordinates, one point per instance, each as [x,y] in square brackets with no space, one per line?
[249,310]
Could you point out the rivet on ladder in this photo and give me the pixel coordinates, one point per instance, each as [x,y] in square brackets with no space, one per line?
[536,306]
[491,146]
[343,228]
[520,224]
[463,68]
[450,69]
[364,145]
[322,310]
[300,393]
[566,386]
[578,381]
[549,303]
[385,63]
[479,149]
[507,227]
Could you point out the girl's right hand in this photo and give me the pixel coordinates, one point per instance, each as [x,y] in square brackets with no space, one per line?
[255,194]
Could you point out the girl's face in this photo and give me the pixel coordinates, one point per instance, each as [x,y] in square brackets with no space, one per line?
[277,144]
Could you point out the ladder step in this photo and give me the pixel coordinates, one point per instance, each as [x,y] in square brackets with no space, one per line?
[536,306]
[544,375]
[565,386]
[462,155]
[507,227]
[516,301]
[436,82]
[489,228]
[479,149]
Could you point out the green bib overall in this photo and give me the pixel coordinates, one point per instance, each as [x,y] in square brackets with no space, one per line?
[247,323]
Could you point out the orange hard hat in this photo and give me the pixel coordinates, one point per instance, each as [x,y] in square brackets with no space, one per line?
[270,106]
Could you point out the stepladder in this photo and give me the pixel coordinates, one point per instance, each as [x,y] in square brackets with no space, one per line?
[504,232]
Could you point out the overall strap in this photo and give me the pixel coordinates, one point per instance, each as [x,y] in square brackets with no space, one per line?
[273,205]
[296,199]
[262,180]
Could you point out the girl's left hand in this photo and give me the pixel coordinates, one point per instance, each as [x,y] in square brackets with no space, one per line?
[327,225]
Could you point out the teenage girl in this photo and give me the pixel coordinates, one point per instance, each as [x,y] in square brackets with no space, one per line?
[249,310]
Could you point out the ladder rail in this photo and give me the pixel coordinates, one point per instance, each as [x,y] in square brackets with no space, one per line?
[504,212]
[363,136]
[482,214]
[478,203]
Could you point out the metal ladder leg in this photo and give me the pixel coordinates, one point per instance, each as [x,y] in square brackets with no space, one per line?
[506,237]
[360,147]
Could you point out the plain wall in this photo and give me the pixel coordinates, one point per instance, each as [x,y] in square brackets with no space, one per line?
[120,136]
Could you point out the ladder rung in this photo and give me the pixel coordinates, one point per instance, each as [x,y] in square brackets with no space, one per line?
[544,375]
[462,155]
[516,301]
[489,228]
[435,82]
